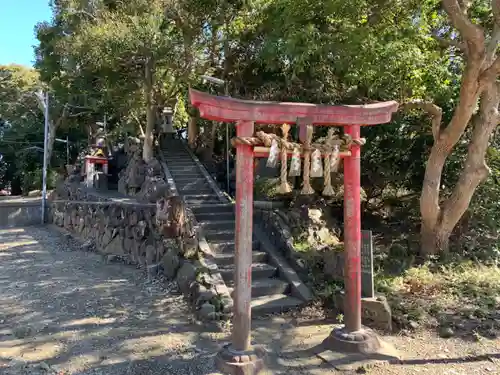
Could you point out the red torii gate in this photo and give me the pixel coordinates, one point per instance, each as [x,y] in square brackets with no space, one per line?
[239,358]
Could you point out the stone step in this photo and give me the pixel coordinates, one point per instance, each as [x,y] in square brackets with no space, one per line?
[263,287]
[190,191]
[175,151]
[272,304]
[191,185]
[218,224]
[227,258]
[186,170]
[194,186]
[186,175]
[198,202]
[208,216]
[180,155]
[183,180]
[215,234]
[183,158]
[181,168]
[203,196]
[179,163]
[217,220]
[213,208]
[228,246]
[259,271]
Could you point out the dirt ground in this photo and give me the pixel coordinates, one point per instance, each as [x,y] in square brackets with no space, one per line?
[65,311]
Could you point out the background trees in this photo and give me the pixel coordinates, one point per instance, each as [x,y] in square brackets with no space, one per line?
[128,60]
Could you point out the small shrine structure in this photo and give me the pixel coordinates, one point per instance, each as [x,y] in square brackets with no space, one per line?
[96,165]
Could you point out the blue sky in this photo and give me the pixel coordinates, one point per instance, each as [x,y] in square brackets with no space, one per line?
[17,36]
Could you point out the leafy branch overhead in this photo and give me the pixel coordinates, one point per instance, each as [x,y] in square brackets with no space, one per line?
[130,59]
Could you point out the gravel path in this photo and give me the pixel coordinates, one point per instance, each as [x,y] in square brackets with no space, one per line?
[64,311]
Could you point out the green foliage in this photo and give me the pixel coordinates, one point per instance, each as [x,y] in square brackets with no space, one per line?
[443,294]
[22,128]
[93,56]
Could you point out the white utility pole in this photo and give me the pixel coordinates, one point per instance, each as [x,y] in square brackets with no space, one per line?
[45,151]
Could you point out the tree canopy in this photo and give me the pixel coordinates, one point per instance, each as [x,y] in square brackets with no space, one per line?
[127,60]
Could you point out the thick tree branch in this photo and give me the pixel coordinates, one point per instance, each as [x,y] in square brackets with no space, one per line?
[469,32]
[495,35]
[492,46]
[80,114]
[141,129]
[491,73]
[446,43]
[495,5]
[475,169]
[63,116]
[432,110]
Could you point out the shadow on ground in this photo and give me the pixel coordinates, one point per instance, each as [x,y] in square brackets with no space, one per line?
[68,309]
[65,310]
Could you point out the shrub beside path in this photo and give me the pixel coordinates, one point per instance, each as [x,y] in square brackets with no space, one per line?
[65,311]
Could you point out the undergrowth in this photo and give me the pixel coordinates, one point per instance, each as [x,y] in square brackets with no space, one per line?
[445,294]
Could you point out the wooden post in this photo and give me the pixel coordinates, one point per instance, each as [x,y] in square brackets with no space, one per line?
[243,257]
[352,233]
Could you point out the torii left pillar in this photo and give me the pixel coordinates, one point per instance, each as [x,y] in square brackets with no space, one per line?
[239,357]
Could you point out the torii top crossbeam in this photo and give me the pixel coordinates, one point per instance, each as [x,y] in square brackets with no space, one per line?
[222,108]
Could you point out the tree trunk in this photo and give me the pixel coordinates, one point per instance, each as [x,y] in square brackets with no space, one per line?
[434,240]
[430,209]
[53,125]
[438,221]
[478,83]
[148,152]
[192,131]
[211,139]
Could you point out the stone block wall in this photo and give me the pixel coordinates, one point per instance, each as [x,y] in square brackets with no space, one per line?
[376,312]
[20,212]
[281,236]
[125,230]
[159,237]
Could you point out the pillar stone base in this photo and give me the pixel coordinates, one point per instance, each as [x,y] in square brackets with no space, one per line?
[350,350]
[363,341]
[249,362]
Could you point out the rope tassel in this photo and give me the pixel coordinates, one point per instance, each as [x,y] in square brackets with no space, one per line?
[307,188]
[295,163]
[335,159]
[316,164]
[284,187]
[328,189]
[272,159]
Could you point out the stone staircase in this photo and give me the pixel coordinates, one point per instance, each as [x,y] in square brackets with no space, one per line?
[275,286]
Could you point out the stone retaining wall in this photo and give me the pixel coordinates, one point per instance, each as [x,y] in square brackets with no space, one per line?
[121,229]
[20,212]
[281,236]
[376,312]
[143,234]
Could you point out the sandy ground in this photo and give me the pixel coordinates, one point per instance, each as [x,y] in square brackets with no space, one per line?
[64,311]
